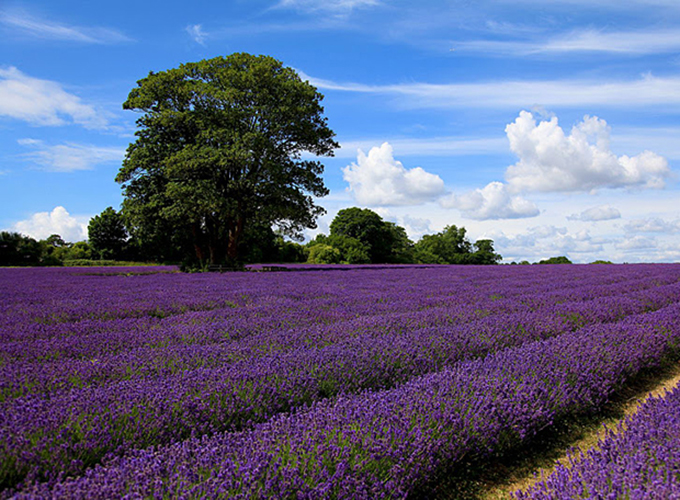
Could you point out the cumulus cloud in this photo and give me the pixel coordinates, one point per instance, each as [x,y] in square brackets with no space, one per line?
[377,179]
[652,225]
[42,224]
[43,102]
[494,201]
[594,214]
[70,157]
[550,160]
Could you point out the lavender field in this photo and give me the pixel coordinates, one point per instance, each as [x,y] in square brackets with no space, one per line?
[340,383]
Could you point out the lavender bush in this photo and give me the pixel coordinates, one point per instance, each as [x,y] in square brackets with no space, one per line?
[639,460]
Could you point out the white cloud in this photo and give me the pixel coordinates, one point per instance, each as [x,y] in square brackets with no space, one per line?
[25,24]
[196,33]
[652,225]
[624,42]
[71,157]
[636,243]
[43,102]
[378,179]
[42,224]
[416,227]
[601,213]
[493,201]
[434,146]
[513,94]
[541,242]
[327,5]
[550,160]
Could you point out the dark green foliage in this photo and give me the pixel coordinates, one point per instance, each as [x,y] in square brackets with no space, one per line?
[218,149]
[484,253]
[55,241]
[602,262]
[261,244]
[556,260]
[451,246]
[107,235]
[361,236]
[383,242]
[289,251]
[75,251]
[19,250]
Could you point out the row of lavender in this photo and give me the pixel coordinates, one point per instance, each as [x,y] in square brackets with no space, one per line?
[104,364]
[390,443]
[639,460]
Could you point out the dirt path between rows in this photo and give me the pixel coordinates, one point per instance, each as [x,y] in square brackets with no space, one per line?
[521,475]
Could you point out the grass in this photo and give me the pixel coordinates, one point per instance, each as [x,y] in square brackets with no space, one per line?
[496,478]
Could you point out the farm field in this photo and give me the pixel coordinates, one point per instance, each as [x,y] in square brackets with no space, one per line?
[351,382]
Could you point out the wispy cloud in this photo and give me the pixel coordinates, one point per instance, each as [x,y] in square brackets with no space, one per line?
[596,214]
[653,225]
[645,91]
[70,157]
[196,33]
[25,24]
[335,6]
[43,102]
[540,242]
[600,4]
[621,42]
[432,146]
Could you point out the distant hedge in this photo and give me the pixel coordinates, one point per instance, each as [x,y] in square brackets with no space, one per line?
[97,263]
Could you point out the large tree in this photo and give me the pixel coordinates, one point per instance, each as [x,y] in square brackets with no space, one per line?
[218,147]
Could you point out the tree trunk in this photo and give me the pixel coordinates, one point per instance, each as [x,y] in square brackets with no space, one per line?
[234,239]
[196,234]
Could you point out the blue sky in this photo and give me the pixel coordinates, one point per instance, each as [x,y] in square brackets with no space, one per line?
[551,127]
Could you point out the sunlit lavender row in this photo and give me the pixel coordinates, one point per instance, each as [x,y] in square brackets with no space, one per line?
[97,364]
[638,461]
[390,443]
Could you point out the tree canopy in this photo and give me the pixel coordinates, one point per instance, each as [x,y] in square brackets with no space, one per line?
[107,235]
[451,246]
[380,241]
[556,260]
[361,236]
[219,147]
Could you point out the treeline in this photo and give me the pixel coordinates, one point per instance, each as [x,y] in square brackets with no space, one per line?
[357,236]
[19,250]
[361,236]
